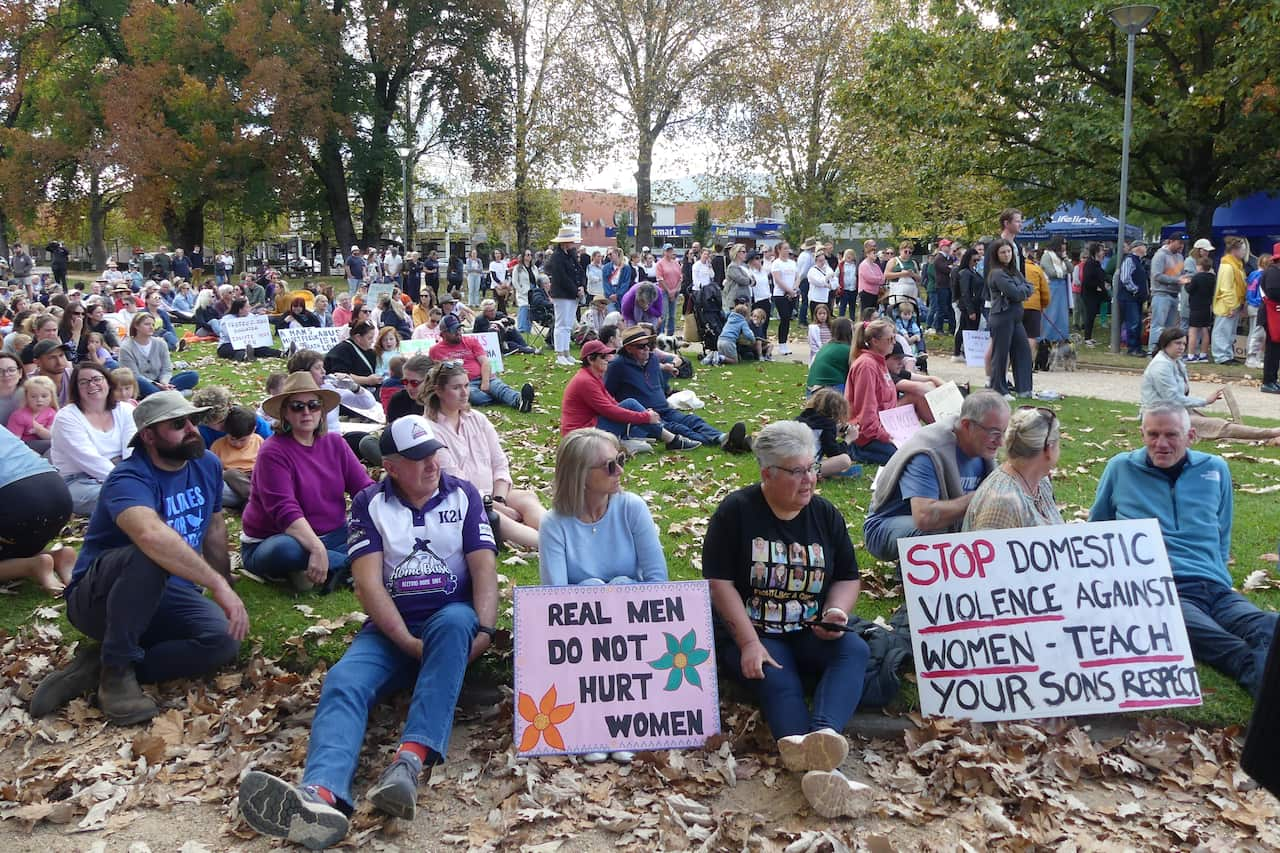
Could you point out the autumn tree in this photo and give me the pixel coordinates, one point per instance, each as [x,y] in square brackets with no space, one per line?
[659,63]
[1030,95]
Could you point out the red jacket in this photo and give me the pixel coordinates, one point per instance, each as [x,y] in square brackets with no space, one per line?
[585,399]
[869,392]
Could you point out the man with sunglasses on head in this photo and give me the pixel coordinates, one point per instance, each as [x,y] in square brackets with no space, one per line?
[469,352]
[926,486]
[156,541]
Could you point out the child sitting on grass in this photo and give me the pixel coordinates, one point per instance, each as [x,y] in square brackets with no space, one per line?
[394,381]
[237,450]
[736,339]
[126,386]
[759,325]
[33,421]
[827,414]
[274,384]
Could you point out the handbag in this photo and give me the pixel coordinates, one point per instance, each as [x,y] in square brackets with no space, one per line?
[1271,319]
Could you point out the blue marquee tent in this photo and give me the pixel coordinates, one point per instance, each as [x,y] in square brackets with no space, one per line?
[1256,217]
[1077,221]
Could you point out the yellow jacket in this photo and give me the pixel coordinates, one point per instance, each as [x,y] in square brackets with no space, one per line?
[1039,298]
[1229,295]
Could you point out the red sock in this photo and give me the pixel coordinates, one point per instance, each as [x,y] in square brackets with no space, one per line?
[325,794]
[416,748]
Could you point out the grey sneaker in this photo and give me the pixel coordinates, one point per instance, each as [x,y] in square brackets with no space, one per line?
[274,807]
[76,679]
[396,791]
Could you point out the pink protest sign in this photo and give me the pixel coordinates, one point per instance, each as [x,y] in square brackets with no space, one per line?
[901,422]
[622,667]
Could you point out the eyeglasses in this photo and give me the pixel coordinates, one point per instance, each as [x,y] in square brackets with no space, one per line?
[614,466]
[813,470]
[1050,417]
[8,371]
[91,381]
[305,405]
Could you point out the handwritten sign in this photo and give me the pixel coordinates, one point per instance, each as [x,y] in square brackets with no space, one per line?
[492,347]
[1046,622]
[975,347]
[901,422]
[251,331]
[619,667]
[945,400]
[377,291]
[321,340]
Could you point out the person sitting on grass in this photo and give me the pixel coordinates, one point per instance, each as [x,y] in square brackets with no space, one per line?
[226,349]
[826,412]
[870,391]
[759,326]
[32,422]
[830,368]
[149,359]
[1190,494]
[295,523]
[911,386]
[781,566]
[490,319]
[34,507]
[637,374]
[485,390]
[423,558]
[1019,493]
[736,342]
[125,388]
[927,485]
[155,543]
[237,451]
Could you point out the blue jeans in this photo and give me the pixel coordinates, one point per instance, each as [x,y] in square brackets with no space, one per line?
[841,668]
[690,426]
[1227,631]
[881,538]
[874,452]
[670,312]
[499,392]
[1164,315]
[1131,323]
[622,430]
[849,304]
[374,667]
[279,555]
[941,314]
[522,320]
[184,381]
[145,617]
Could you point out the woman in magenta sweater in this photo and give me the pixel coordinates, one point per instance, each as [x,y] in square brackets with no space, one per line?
[295,523]
[870,391]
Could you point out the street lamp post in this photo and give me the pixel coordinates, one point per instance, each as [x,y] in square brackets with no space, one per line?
[404,151]
[1131,20]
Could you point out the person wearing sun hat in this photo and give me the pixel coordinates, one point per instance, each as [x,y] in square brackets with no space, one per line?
[424,562]
[155,542]
[637,374]
[295,523]
[354,268]
[568,282]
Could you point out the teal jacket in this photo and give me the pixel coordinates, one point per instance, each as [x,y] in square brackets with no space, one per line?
[1194,512]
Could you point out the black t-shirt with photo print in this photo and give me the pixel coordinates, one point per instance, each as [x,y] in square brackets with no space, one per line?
[781,569]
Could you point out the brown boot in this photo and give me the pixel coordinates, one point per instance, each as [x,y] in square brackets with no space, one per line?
[76,679]
[121,699]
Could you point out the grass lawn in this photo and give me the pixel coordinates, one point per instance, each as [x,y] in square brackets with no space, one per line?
[684,488]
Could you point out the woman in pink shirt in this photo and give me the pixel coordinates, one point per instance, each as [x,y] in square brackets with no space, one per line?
[669,272]
[472,452]
[870,278]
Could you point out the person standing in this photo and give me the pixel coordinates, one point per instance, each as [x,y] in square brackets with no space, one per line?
[1202,248]
[475,277]
[785,293]
[1093,289]
[669,274]
[870,279]
[58,257]
[562,268]
[155,542]
[1008,289]
[1229,301]
[1270,311]
[941,312]
[1057,309]
[804,262]
[21,269]
[1133,280]
[354,269]
[1168,280]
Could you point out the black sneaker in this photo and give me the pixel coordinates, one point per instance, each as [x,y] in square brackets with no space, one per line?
[735,441]
[274,807]
[526,398]
[1270,388]
[682,443]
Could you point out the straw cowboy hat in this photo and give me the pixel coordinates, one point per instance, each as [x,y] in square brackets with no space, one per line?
[637,335]
[300,382]
[566,235]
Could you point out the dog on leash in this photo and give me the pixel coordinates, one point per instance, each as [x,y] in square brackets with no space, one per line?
[671,343]
[1062,355]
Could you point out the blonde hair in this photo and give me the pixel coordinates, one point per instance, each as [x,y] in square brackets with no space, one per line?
[123,377]
[40,382]
[574,459]
[1030,432]
[865,332]
[436,379]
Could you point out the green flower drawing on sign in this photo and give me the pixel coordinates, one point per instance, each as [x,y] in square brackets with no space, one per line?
[683,658]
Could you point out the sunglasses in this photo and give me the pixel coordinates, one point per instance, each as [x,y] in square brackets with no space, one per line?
[614,466]
[1050,417]
[77,313]
[178,424]
[305,405]
[412,383]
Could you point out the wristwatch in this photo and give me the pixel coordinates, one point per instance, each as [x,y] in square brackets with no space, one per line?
[485,629]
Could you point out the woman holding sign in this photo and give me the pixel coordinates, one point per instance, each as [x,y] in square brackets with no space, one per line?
[1019,492]
[226,349]
[783,582]
[596,533]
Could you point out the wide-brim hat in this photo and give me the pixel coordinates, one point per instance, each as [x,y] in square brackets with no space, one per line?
[299,382]
[600,300]
[637,335]
[567,235]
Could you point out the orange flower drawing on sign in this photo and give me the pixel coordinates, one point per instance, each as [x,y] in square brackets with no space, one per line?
[543,719]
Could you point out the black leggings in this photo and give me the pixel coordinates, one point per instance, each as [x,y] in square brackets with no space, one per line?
[33,511]
[1092,304]
[866,300]
[785,305]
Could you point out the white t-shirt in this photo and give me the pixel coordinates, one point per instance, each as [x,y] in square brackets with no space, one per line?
[499,270]
[821,281]
[78,447]
[760,290]
[784,277]
[703,275]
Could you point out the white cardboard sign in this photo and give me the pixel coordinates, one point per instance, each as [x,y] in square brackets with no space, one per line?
[251,331]
[321,340]
[1046,622]
[901,422]
[975,348]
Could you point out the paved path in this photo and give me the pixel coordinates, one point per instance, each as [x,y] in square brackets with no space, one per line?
[1120,386]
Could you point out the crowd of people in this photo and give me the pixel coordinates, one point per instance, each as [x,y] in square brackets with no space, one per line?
[372,467]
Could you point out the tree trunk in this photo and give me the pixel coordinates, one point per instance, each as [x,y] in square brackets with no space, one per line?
[329,170]
[644,188]
[97,221]
[186,229]
[1200,220]
[326,256]
[4,235]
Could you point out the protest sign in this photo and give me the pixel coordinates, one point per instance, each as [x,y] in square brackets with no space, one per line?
[975,348]
[415,345]
[1046,622]
[251,331]
[492,347]
[321,340]
[944,400]
[377,291]
[901,422]
[617,667]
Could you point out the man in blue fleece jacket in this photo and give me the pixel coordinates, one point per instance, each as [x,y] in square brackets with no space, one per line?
[1189,494]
